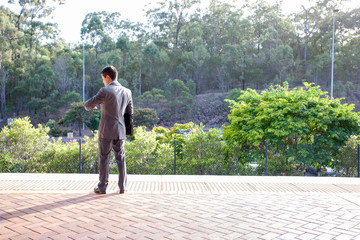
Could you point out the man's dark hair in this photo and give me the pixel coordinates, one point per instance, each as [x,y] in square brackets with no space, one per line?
[110,71]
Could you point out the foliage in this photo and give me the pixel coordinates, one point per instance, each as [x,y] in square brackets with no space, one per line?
[181,100]
[62,157]
[24,148]
[346,161]
[77,114]
[175,132]
[278,166]
[145,155]
[92,120]
[70,97]
[54,130]
[145,117]
[154,99]
[203,153]
[184,50]
[302,123]
[22,145]
[235,94]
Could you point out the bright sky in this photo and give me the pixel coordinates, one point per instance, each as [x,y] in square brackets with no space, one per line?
[70,15]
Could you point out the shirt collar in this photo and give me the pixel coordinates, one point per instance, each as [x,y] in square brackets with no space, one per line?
[115,83]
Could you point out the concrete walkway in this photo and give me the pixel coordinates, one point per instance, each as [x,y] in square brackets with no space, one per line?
[62,206]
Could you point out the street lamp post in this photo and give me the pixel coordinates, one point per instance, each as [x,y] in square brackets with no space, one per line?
[83,78]
[332,56]
[83,72]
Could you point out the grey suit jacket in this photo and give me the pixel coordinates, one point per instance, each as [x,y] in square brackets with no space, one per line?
[114,100]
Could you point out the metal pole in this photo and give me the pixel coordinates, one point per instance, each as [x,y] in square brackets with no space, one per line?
[84,77]
[266,158]
[358,160]
[174,156]
[332,57]
[80,165]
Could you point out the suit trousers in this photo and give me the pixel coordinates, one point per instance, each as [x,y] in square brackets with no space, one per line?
[105,147]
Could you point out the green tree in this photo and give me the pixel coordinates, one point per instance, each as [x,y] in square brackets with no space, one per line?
[283,60]
[181,101]
[145,117]
[70,97]
[77,114]
[155,99]
[301,124]
[169,17]
[196,57]
[9,37]
[151,57]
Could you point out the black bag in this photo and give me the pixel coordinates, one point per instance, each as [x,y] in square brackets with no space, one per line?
[129,124]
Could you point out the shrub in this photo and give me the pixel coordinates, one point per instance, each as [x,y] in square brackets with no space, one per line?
[145,155]
[145,117]
[203,152]
[346,161]
[22,145]
[235,94]
[62,157]
[54,130]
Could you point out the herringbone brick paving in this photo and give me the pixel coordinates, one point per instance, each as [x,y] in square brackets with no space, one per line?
[262,214]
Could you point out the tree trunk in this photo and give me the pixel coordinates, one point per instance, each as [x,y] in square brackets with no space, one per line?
[214,37]
[305,47]
[140,81]
[243,71]
[277,33]
[221,78]
[3,94]
[139,77]
[178,26]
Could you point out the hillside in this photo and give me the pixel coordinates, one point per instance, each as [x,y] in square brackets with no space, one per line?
[210,109]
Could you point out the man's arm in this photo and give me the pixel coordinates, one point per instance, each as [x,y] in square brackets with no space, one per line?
[95,100]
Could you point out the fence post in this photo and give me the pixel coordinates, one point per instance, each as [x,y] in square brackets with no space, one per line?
[175,156]
[80,165]
[266,158]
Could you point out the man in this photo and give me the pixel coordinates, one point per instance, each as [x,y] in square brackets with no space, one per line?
[114,100]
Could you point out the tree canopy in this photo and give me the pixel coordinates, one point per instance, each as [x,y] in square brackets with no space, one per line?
[301,123]
[189,49]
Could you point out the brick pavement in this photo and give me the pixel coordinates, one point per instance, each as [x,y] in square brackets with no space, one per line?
[270,208]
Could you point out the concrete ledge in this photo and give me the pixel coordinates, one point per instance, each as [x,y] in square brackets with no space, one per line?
[178,184]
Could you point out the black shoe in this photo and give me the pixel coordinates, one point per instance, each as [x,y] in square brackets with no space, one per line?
[99,191]
[122,191]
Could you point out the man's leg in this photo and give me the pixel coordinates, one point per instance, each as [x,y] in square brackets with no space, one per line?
[119,152]
[104,156]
